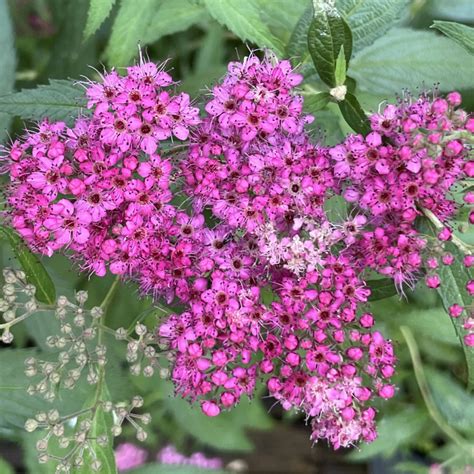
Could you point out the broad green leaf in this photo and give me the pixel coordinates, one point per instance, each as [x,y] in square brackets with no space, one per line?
[462,34]
[460,10]
[394,431]
[35,272]
[157,468]
[327,33]
[354,115]
[370,19]
[243,18]
[453,290]
[7,61]
[336,208]
[59,100]
[406,58]
[452,400]
[341,68]
[101,426]
[131,25]
[70,55]
[380,289]
[280,19]
[315,102]
[297,47]
[171,16]
[5,468]
[98,12]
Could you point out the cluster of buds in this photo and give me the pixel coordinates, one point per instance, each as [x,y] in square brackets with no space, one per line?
[17,303]
[78,433]
[78,349]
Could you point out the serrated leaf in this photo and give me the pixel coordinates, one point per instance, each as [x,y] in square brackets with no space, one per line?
[131,25]
[370,19]
[453,291]
[341,67]
[172,16]
[354,115]
[327,33]
[462,34]
[243,18]
[394,431]
[35,272]
[7,61]
[406,58]
[381,289]
[98,12]
[59,100]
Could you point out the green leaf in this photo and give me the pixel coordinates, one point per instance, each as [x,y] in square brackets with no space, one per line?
[59,100]
[394,431]
[462,34]
[454,403]
[354,115]
[315,102]
[370,19]
[7,61]
[406,58]
[36,274]
[327,33]
[172,16]
[459,10]
[380,289]
[5,468]
[101,425]
[131,24]
[297,47]
[98,12]
[341,66]
[243,18]
[453,290]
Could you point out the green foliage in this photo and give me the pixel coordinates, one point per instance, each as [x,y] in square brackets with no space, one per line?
[327,33]
[297,47]
[5,468]
[354,115]
[35,272]
[340,68]
[452,400]
[462,34]
[59,100]
[316,101]
[243,18]
[406,58]
[101,426]
[7,61]
[394,431]
[131,23]
[453,290]
[172,16]
[370,19]
[98,12]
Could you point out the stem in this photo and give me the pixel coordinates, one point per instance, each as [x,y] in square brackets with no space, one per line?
[21,318]
[104,305]
[425,392]
[465,248]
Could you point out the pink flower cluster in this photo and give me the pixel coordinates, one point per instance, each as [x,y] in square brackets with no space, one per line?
[236,232]
[171,456]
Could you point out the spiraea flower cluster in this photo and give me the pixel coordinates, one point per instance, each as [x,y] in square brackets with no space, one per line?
[235,231]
